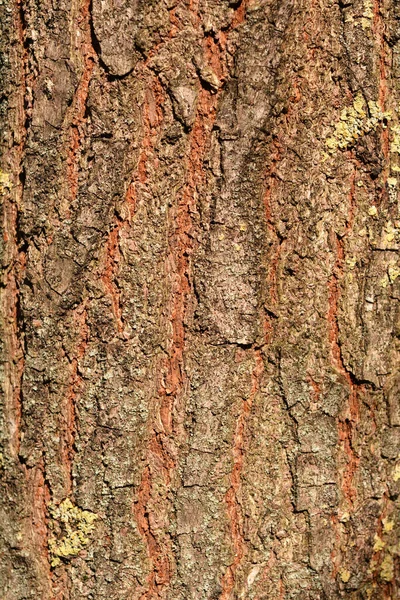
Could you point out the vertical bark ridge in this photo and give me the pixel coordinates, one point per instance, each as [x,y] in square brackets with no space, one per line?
[383,56]
[234,508]
[112,255]
[84,48]
[74,388]
[14,255]
[347,422]
[168,435]
[159,572]
[173,379]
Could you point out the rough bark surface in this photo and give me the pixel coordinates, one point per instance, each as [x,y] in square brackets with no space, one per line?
[200,300]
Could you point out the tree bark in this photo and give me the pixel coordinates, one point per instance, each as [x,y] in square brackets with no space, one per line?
[200,300]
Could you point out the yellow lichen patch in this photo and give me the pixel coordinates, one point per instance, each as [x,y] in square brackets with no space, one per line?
[5,182]
[384,281]
[351,262]
[379,544]
[372,211]
[390,231]
[355,121]
[392,181]
[345,575]
[387,525]
[395,143]
[387,568]
[368,14]
[393,272]
[396,472]
[368,9]
[70,527]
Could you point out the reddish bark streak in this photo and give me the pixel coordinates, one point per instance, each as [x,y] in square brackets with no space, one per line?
[316,390]
[173,381]
[160,572]
[232,495]
[39,498]
[267,570]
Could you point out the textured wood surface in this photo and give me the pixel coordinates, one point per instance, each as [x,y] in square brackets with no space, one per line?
[200,300]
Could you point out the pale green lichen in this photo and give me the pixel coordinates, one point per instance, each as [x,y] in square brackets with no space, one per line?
[355,121]
[384,282]
[70,527]
[382,562]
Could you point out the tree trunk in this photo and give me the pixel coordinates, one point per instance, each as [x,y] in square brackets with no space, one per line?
[200,300]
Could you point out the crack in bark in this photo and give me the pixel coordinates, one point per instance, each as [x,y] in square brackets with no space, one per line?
[279,241]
